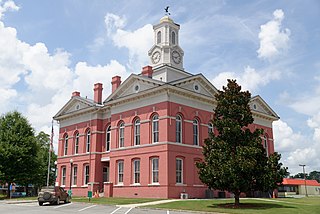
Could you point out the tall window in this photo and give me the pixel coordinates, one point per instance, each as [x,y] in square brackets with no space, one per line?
[121,135]
[88,139]
[74,175]
[108,138]
[173,38]
[120,172]
[137,132]
[136,171]
[210,128]
[76,144]
[179,171]
[178,129]
[155,129]
[86,174]
[195,132]
[265,145]
[159,37]
[155,170]
[65,151]
[63,176]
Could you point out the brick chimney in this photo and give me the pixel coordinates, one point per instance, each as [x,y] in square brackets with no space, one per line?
[116,81]
[147,71]
[75,94]
[98,93]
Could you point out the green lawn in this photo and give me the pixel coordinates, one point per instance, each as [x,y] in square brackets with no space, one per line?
[113,201]
[284,206]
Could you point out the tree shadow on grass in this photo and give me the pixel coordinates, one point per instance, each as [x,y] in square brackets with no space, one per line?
[249,206]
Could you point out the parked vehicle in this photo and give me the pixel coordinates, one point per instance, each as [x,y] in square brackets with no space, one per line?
[53,195]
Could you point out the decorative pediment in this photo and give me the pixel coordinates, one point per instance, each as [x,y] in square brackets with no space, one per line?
[75,104]
[257,104]
[132,85]
[198,84]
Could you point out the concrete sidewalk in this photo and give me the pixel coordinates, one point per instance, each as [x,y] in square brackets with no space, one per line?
[149,203]
[18,201]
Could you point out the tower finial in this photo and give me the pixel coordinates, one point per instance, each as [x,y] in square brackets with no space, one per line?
[166,9]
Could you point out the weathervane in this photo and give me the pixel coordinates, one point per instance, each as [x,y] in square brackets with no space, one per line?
[167,11]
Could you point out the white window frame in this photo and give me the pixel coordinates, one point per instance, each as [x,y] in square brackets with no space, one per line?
[155,129]
[266,145]
[210,128]
[120,171]
[121,135]
[108,138]
[86,174]
[63,176]
[136,171]
[179,171]
[137,132]
[173,37]
[178,129]
[159,37]
[155,171]
[74,175]
[88,140]
[65,148]
[76,143]
[195,127]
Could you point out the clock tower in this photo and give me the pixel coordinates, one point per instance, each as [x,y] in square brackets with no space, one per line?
[166,49]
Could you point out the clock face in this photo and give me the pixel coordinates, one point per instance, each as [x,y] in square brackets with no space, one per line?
[176,57]
[156,57]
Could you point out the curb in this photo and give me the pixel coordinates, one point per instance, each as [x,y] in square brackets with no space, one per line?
[20,201]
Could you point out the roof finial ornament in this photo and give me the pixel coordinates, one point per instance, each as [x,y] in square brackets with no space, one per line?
[167,11]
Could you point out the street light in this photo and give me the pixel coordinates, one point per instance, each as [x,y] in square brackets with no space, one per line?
[55,172]
[71,164]
[304,175]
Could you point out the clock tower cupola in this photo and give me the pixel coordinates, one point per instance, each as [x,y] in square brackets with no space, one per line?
[166,49]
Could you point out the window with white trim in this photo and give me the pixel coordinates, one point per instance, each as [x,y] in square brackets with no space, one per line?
[74,175]
[173,38]
[108,138]
[265,145]
[120,172]
[65,150]
[155,129]
[121,135]
[137,132]
[155,170]
[88,139]
[210,128]
[136,171]
[159,37]
[63,176]
[76,144]
[195,132]
[178,129]
[86,174]
[179,171]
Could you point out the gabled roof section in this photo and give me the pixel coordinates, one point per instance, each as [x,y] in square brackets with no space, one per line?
[132,85]
[196,83]
[257,104]
[75,104]
[290,181]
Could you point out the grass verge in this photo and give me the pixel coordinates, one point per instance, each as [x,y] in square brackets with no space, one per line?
[114,201]
[284,206]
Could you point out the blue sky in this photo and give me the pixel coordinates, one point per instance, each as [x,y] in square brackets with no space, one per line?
[49,49]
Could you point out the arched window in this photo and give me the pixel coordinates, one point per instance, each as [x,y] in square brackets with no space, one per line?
[155,129]
[121,135]
[173,38]
[88,139]
[65,151]
[76,144]
[159,37]
[137,132]
[210,128]
[195,132]
[108,138]
[265,145]
[178,129]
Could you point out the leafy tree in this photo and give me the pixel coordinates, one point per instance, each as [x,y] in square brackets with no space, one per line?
[18,150]
[234,159]
[314,175]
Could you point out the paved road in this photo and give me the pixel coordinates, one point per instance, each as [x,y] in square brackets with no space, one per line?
[79,208]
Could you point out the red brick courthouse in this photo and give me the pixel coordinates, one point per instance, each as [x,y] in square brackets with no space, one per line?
[144,138]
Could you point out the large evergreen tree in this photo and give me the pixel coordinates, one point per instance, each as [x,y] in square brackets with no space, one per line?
[234,159]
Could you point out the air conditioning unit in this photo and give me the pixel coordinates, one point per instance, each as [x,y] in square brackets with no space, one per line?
[184,196]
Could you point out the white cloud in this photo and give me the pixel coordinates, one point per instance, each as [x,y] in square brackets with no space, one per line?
[273,39]
[7,6]
[249,79]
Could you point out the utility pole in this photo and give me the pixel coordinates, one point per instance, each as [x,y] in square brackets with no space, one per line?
[305,182]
